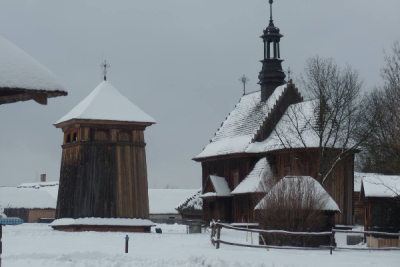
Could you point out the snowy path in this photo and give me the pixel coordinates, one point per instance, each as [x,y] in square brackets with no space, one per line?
[37,245]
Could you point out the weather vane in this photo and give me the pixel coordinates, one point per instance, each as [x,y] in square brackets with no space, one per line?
[105,66]
[244,80]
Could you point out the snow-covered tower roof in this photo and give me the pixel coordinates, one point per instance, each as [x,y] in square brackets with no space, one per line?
[23,77]
[105,102]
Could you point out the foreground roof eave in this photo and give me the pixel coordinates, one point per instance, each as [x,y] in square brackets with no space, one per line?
[262,153]
[226,156]
[97,121]
[12,95]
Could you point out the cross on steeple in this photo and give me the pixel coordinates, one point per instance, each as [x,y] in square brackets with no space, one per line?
[244,80]
[105,66]
[271,75]
[270,10]
[289,72]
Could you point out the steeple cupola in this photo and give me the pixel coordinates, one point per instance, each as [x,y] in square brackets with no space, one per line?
[271,74]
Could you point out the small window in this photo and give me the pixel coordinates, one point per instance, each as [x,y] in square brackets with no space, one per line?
[68,139]
[235,175]
[75,137]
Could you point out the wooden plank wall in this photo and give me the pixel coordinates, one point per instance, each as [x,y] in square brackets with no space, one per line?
[20,213]
[225,167]
[374,242]
[244,208]
[103,179]
[359,211]
[224,208]
[35,215]
[340,186]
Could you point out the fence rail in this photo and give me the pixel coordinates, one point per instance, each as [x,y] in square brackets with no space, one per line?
[217,226]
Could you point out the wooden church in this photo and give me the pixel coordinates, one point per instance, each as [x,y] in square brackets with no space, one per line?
[103,167]
[245,150]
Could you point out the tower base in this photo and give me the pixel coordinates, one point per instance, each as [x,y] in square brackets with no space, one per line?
[102,225]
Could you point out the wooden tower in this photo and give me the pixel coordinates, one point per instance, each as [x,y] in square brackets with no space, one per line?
[103,167]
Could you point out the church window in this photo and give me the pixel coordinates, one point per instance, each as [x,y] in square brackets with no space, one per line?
[235,175]
[68,139]
[75,137]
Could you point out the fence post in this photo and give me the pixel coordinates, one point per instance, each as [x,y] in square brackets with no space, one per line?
[218,234]
[1,246]
[212,232]
[126,244]
[332,237]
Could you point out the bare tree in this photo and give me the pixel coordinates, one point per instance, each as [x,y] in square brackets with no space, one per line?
[333,123]
[293,204]
[382,149]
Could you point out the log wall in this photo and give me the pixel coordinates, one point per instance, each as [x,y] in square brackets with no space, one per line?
[104,174]
[340,185]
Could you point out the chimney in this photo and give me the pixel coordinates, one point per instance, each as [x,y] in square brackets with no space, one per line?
[43,177]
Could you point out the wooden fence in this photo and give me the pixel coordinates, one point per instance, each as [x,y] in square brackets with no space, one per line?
[217,226]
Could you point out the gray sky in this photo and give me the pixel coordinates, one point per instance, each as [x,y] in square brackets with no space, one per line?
[178,60]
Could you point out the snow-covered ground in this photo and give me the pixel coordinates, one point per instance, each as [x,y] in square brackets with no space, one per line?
[37,245]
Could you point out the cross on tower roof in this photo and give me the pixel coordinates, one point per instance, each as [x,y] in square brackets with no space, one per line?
[270,8]
[105,66]
[244,80]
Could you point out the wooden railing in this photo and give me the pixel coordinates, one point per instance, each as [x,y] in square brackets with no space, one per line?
[217,226]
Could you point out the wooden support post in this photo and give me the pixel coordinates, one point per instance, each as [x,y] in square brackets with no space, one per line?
[1,246]
[218,235]
[332,237]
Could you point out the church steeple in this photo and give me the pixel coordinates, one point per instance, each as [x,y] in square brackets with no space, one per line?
[271,74]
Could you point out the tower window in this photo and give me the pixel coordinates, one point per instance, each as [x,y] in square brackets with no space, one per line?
[68,139]
[75,137]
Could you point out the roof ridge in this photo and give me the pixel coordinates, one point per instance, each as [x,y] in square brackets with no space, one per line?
[256,132]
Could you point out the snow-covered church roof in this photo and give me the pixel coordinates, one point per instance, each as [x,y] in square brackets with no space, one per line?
[220,186]
[105,102]
[253,183]
[242,124]
[18,70]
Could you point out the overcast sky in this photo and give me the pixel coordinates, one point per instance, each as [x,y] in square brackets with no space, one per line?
[178,60]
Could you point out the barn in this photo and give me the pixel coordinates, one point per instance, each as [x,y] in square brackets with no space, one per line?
[32,206]
[381,197]
[248,149]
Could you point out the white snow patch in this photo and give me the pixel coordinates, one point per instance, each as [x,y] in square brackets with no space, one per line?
[36,245]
